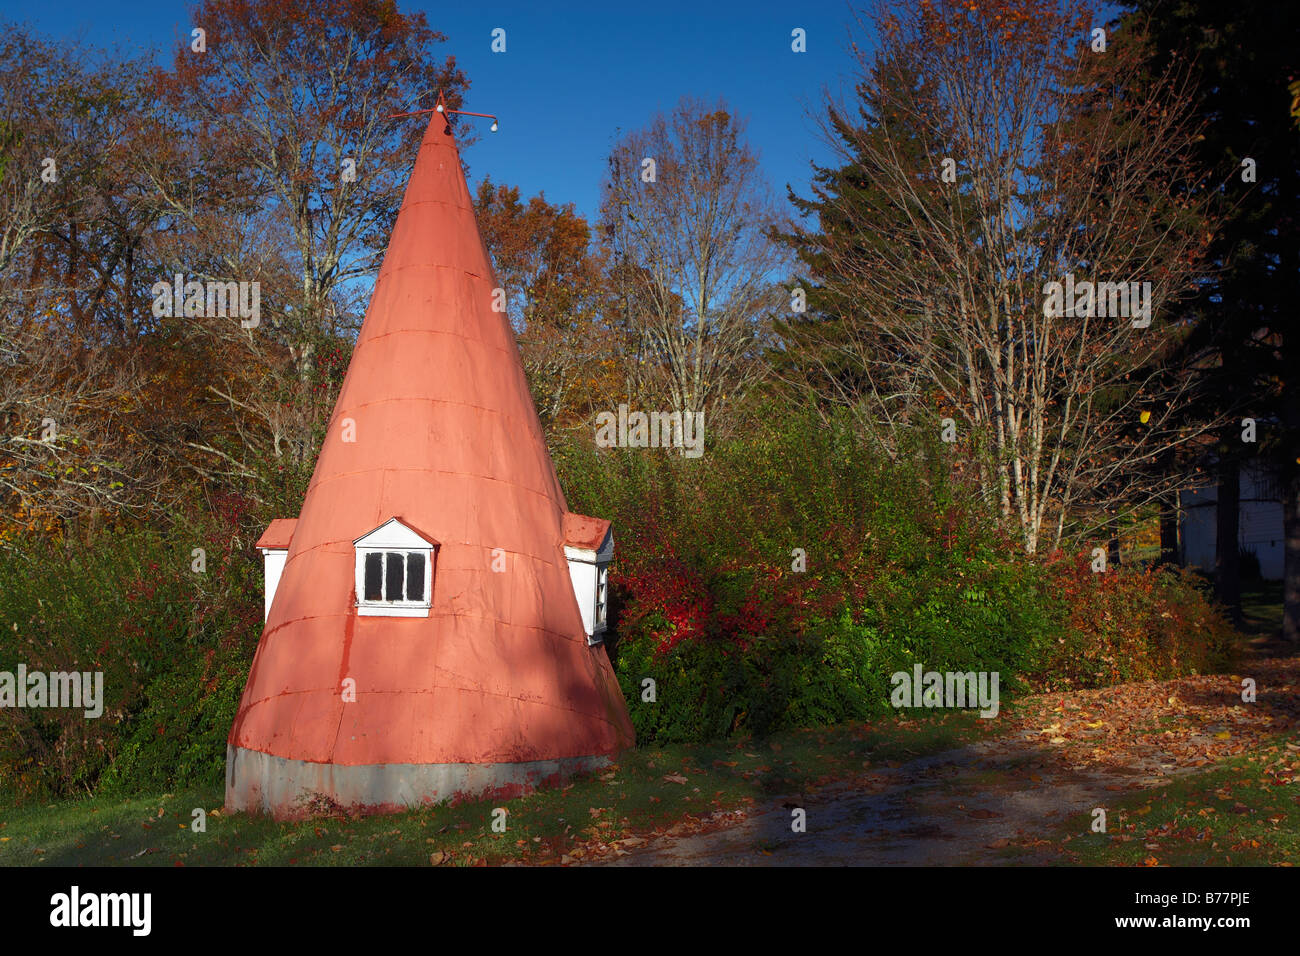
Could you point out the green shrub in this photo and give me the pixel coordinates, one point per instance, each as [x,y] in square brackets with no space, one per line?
[1129,625]
[179,737]
[171,643]
[901,569]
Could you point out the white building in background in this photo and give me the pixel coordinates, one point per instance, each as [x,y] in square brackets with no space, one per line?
[1260,522]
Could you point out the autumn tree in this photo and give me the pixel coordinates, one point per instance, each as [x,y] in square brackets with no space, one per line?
[30,75]
[75,221]
[553,281]
[102,201]
[288,114]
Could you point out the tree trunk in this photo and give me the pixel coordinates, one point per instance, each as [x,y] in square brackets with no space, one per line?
[1169,551]
[1112,559]
[1227,515]
[1169,512]
[1289,479]
[1291,558]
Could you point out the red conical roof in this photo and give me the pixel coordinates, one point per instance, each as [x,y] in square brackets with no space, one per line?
[448,440]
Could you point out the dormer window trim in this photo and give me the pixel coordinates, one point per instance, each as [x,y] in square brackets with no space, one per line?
[394,557]
[602,596]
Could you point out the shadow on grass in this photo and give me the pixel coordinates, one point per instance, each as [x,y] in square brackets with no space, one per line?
[647,791]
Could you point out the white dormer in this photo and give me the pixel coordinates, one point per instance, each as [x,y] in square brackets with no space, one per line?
[394,571]
[589,547]
[274,545]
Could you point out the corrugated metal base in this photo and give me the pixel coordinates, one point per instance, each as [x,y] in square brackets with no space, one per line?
[262,783]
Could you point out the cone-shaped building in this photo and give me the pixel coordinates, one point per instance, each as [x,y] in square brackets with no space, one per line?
[425,640]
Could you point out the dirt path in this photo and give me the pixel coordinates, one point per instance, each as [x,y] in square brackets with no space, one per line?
[962,806]
[995,801]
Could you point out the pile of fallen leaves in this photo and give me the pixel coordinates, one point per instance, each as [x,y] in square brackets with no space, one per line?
[1162,726]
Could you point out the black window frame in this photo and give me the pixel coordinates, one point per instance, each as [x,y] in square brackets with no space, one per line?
[384,567]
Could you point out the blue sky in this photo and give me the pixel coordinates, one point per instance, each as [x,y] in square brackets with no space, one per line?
[574,73]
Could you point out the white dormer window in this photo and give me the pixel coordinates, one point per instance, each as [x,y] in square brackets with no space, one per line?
[394,571]
[274,545]
[588,548]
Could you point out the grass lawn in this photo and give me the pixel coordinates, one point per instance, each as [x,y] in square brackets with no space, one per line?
[648,792]
[1261,606]
[1244,812]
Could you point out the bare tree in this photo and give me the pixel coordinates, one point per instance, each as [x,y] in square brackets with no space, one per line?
[69,441]
[30,74]
[686,217]
[998,151]
[71,422]
[301,96]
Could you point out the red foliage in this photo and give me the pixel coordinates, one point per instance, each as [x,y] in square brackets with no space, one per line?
[673,590]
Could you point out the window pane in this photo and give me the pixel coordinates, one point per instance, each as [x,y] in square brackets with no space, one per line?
[602,594]
[393,575]
[374,576]
[415,576]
